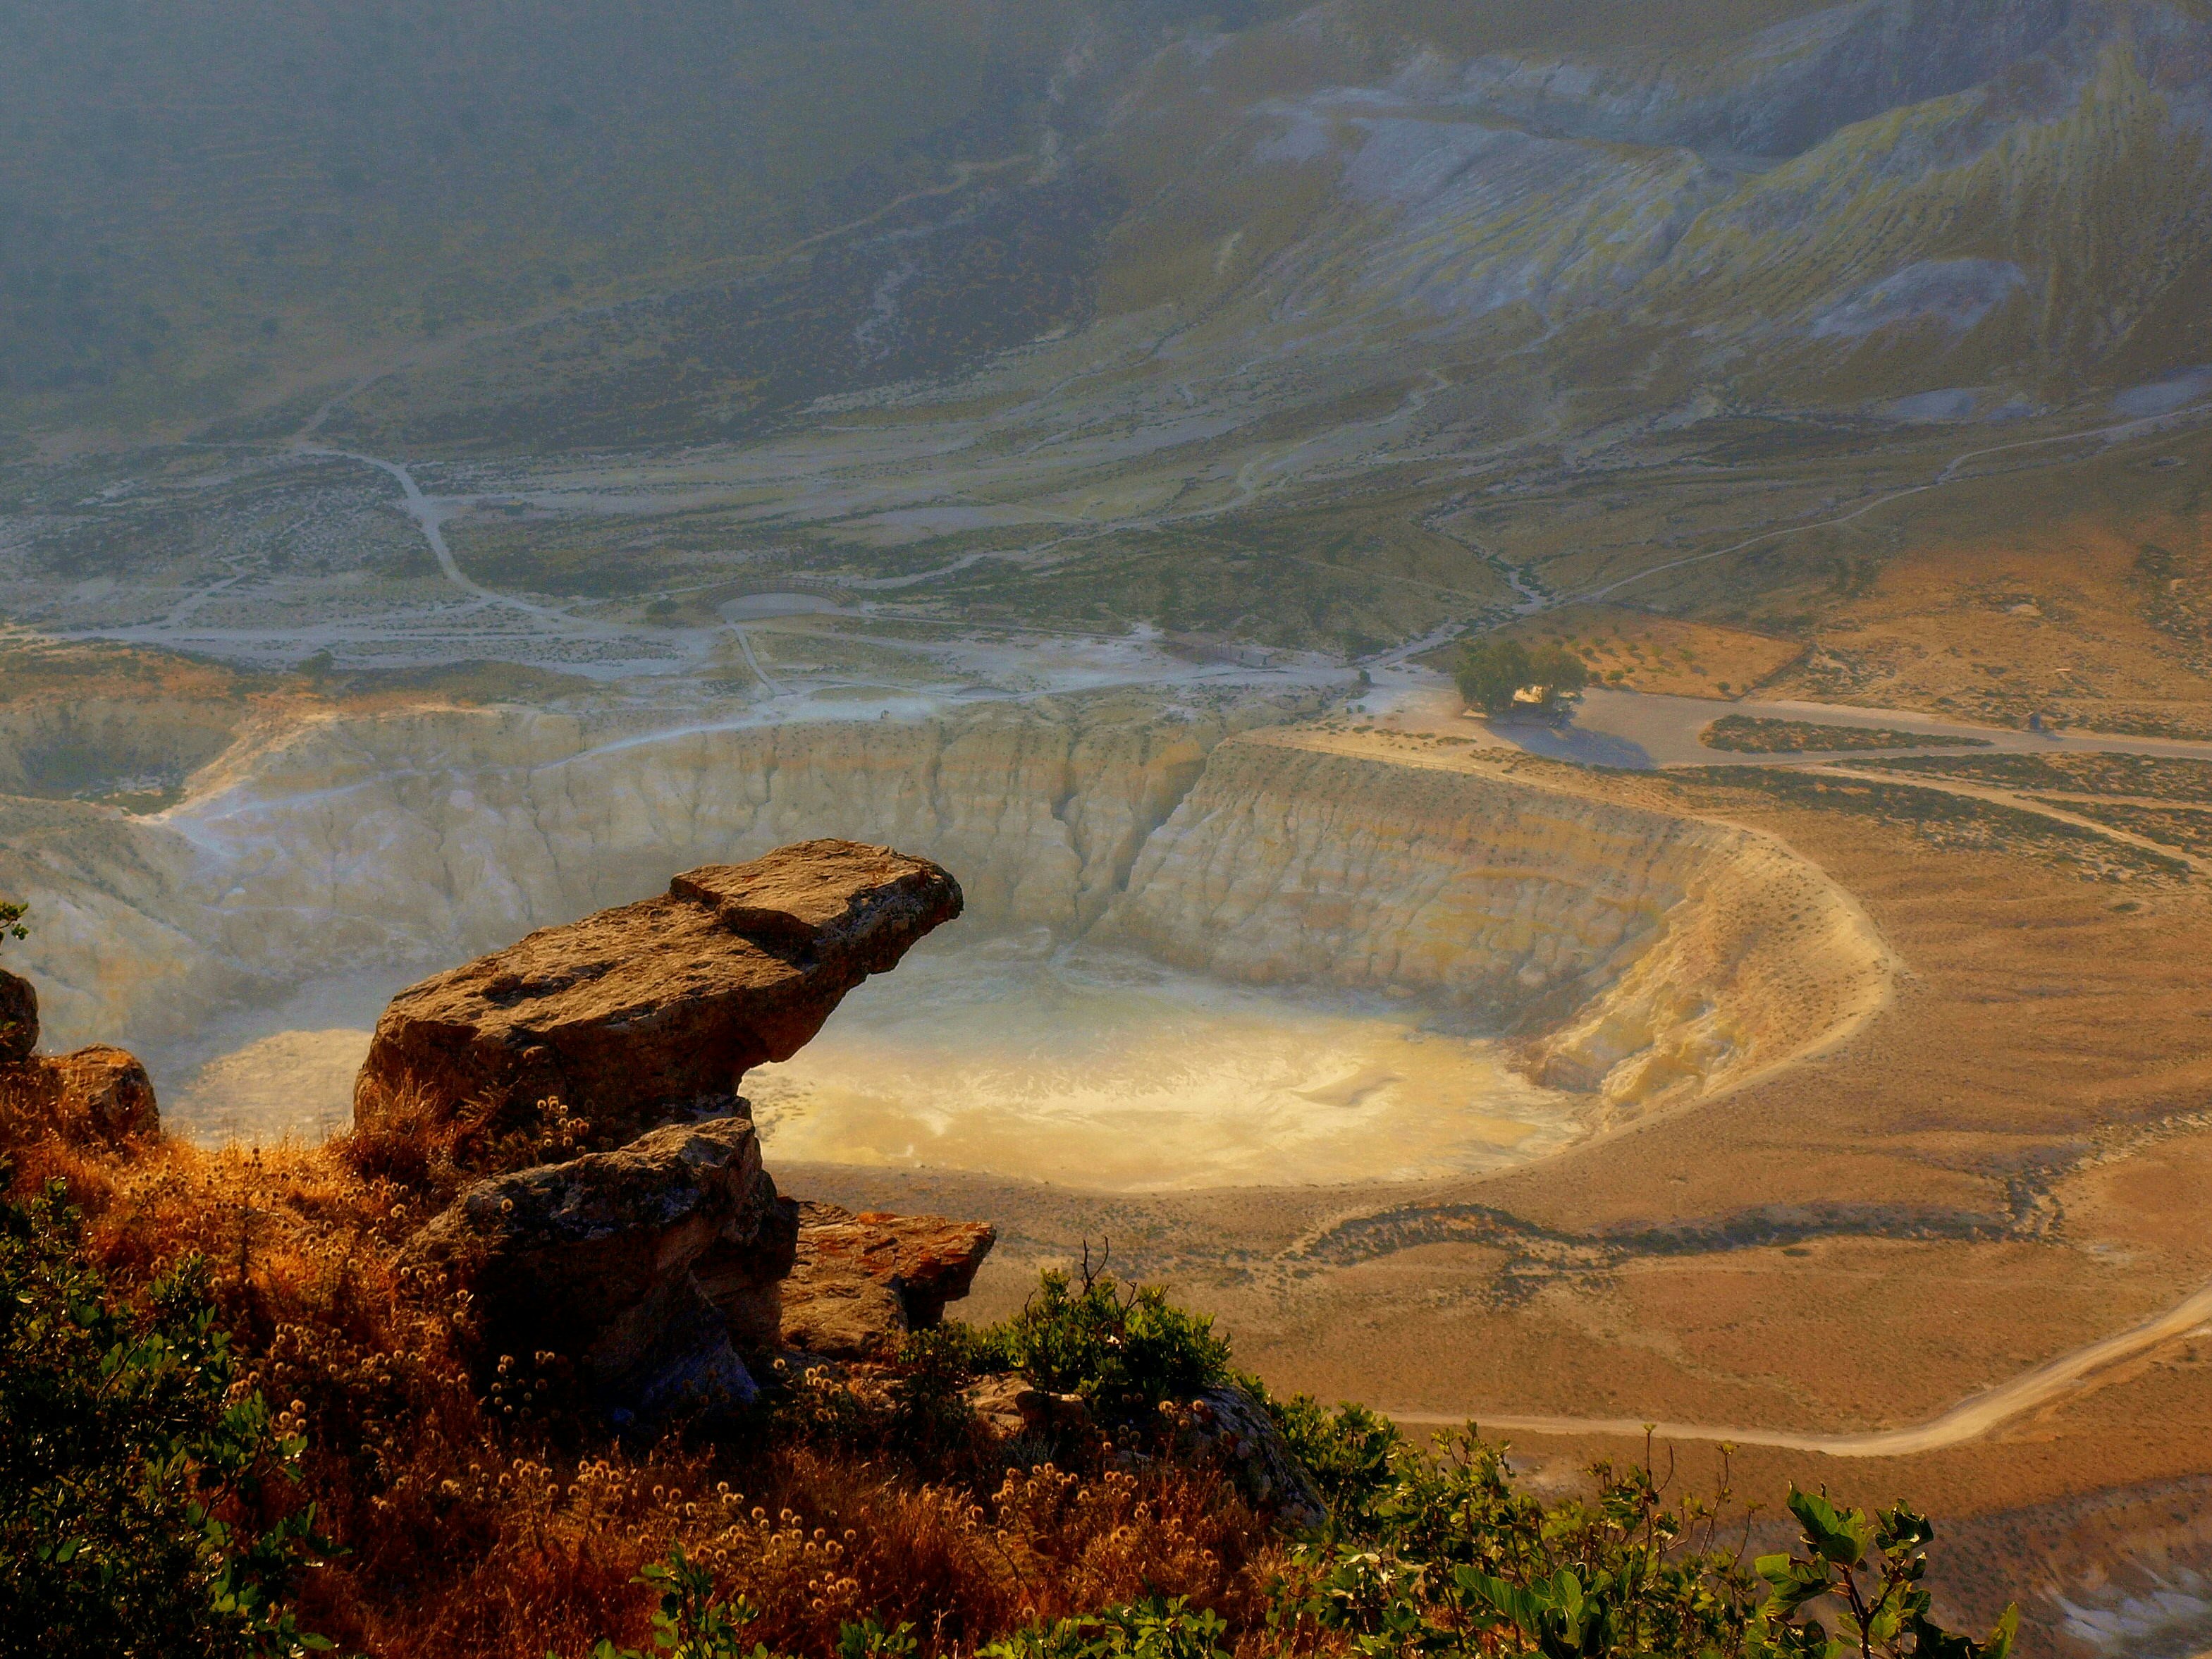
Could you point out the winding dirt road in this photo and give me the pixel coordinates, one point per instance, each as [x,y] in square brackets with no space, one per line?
[1971,1419]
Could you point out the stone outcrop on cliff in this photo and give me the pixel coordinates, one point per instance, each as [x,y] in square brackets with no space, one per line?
[658,1266]
[653,1011]
[92,1096]
[1227,1425]
[103,1093]
[616,1260]
[860,1283]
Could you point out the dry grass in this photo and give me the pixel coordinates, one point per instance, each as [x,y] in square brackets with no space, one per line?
[478,1516]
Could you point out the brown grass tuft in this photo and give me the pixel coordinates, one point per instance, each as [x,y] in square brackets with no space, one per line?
[480,1521]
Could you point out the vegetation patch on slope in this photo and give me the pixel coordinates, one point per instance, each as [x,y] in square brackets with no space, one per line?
[1748,734]
[1956,822]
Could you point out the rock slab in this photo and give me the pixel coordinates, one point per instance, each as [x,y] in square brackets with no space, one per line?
[860,1283]
[594,1259]
[1227,1425]
[653,1011]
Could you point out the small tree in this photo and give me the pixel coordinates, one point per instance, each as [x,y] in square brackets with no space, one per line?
[1490,672]
[1493,674]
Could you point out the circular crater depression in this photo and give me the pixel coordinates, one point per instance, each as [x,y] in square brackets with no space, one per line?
[1202,949]
[1015,1055]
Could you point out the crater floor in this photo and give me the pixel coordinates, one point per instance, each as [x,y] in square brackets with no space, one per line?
[1079,1067]
[1101,1069]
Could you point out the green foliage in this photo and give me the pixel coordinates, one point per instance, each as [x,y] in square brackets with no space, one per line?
[1124,1350]
[1870,1568]
[693,1623]
[11,921]
[1349,1451]
[1156,1629]
[1751,734]
[1491,673]
[132,1465]
[1452,1559]
[1428,1551]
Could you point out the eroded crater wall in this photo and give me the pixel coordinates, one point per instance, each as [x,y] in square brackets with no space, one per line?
[1644,955]
[1640,955]
[430,837]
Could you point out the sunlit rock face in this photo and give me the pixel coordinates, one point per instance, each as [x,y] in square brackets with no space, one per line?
[1646,952]
[1633,956]
[655,1011]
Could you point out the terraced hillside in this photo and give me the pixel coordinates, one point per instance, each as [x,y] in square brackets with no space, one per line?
[1339,327]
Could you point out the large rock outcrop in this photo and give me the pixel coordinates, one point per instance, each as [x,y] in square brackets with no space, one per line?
[649,1266]
[860,1283]
[653,1011]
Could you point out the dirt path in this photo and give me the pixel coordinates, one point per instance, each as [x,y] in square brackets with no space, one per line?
[2024,803]
[1970,1419]
[1650,730]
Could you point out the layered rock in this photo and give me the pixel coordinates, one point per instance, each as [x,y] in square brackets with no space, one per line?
[1641,954]
[434,835]
[655,1010]
[600,1259]
[859,1284]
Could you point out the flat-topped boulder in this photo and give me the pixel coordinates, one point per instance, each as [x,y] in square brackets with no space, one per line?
[652,1012]
[93,1096]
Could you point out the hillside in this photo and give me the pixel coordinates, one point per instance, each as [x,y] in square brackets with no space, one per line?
[1340,328]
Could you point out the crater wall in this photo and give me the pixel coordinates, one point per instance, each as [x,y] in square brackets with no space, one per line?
[1637,954]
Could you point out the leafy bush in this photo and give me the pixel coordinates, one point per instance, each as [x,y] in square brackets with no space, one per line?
[1153,1629]
[1349,1451]
[1124,1350]
[130,1462]
[1453,1559]
[483,1523]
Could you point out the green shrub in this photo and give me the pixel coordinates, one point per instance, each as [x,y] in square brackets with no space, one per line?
[1428,1551]
[1451,1558]
[1156,1629]
[693,1623]
[1349,1451]
[131,1466]
[1490,672]
[1124,1350]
